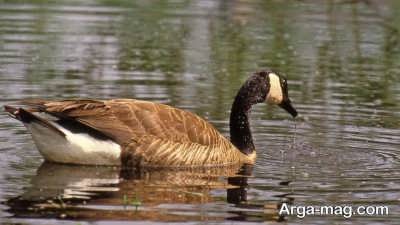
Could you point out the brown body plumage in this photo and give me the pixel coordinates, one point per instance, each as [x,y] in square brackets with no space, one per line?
[150,134]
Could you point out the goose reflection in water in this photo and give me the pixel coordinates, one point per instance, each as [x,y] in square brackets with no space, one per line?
[108,193]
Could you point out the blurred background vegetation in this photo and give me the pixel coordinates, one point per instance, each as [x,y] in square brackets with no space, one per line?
[343,50]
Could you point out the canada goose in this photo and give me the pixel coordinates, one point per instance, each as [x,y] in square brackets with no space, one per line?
[135,133]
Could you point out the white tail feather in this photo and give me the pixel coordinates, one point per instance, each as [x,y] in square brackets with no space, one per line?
[75,148]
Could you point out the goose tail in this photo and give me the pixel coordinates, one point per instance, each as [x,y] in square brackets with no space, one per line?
[28,117]
[66,141]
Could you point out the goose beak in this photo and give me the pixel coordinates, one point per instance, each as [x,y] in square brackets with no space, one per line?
[288,107]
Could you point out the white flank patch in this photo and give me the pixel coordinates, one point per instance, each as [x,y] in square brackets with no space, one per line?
[275,95]
[74,148]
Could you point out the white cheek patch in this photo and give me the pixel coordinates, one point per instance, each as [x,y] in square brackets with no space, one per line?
[275,95]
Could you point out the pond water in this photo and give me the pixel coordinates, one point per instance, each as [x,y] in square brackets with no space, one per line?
[342,61]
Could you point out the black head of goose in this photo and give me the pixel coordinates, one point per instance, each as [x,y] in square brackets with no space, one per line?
[135,133]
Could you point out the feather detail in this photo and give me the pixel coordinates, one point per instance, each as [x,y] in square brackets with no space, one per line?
[150,134]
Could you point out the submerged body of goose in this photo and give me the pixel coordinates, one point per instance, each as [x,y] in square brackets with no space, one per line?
[135,133]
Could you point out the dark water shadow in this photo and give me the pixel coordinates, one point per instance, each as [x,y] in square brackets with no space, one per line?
[109,193]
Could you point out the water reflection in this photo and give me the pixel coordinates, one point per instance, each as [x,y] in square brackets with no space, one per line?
[78,192]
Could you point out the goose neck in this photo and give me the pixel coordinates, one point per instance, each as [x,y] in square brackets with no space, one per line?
[240,132]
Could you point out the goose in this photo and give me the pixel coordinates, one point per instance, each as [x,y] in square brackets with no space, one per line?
[136,133]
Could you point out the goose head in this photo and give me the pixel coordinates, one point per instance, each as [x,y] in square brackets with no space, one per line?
[263,86]
[277,93]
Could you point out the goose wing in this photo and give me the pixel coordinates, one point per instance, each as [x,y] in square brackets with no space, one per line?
[127,120]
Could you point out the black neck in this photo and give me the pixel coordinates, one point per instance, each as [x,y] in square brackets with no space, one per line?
[240,127]
[252,92]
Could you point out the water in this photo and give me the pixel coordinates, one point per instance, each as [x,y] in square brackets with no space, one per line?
[342,61]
